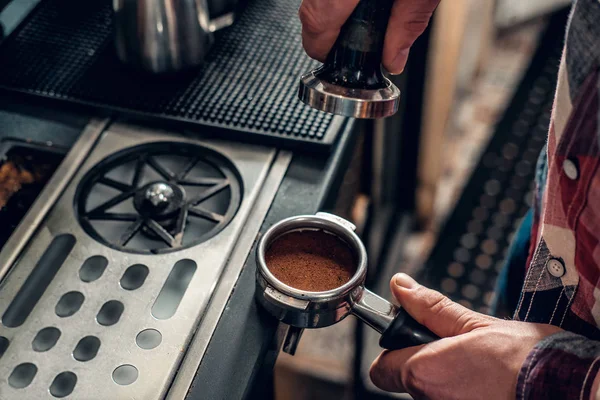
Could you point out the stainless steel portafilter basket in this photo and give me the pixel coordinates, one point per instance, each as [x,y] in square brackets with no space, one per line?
[303,309]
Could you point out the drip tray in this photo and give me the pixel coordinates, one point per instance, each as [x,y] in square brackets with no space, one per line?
[86,318]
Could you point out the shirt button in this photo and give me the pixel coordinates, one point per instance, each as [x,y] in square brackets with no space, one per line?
[570,169]
[555,267]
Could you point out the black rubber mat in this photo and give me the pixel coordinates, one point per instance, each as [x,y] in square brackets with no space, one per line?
[247,86]
[473,244]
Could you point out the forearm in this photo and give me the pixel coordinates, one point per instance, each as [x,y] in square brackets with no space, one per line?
[561,366]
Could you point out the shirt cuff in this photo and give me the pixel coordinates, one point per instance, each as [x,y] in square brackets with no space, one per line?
[561,366]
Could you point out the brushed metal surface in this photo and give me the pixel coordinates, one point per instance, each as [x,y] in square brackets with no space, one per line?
[228,280]
[354,103]
[155,367]
[164,36]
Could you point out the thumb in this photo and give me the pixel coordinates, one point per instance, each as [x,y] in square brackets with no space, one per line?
[434,310]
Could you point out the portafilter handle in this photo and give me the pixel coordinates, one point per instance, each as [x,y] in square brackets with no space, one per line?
[398,329]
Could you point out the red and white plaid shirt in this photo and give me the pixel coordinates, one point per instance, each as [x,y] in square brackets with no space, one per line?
[562,284]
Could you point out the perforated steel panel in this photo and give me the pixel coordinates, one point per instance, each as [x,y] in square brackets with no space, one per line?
[87,321]
[473,245]
[248,84]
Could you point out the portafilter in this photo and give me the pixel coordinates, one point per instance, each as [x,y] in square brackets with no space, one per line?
[304,309]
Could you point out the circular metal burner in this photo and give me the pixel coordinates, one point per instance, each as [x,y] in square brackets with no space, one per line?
[158,197]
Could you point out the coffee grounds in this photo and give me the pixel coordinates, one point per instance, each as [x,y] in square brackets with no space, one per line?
[314,261]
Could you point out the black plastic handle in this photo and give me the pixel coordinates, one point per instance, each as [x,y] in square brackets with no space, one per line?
[405,332]
[355,60]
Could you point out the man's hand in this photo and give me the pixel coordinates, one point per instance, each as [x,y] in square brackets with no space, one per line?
[478,357]
[322,20]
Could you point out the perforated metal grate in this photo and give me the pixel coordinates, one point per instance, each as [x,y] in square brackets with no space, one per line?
[473,245]
[248,84]
[87,321]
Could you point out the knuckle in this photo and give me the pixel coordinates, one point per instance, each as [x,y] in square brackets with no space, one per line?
[382,372]
[311,51]
[417,22]
[437,304]
[412,379]
[311,23]
[429,5]
[475,322]
[418,18]
[435,301]
[375,372]
[440,305]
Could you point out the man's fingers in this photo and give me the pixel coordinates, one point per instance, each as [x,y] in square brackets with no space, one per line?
[408,21]
[321,23]
[386,370]
[438,313]
[322,20]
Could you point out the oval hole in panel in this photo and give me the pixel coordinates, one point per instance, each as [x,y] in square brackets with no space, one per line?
[34,287]
[22,375]
[148,339]
[125,374]
[173,290]
[69,304]
[4,342]
[87,348]
[45,339]
[110,313]
[92,268]
[63,384]
[134,277]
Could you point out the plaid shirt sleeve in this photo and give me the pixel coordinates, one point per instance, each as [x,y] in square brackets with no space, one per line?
[562,366]
[562,280]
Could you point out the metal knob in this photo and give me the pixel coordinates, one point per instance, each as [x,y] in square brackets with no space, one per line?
[159,195]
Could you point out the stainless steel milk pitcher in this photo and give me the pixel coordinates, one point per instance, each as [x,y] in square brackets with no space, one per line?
[162,36]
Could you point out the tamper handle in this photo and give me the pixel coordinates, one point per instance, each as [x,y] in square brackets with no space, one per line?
[405,331]
[355,59]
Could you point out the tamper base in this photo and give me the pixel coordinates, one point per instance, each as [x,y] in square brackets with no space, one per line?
[354,103]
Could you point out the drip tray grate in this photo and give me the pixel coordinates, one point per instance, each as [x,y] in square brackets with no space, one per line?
[89,321]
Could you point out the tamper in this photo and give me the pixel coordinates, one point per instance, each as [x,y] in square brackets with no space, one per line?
[351,82]
[303,309]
